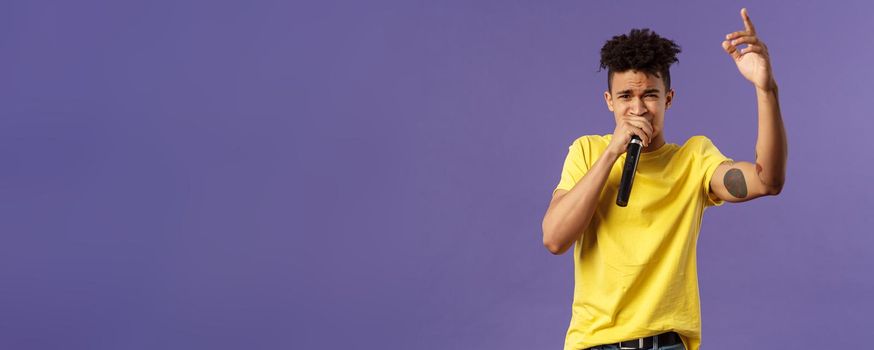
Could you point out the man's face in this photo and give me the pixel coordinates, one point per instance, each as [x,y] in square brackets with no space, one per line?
[637,94]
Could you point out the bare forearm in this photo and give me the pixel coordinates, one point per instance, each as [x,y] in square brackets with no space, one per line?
[564,222]
[771,144]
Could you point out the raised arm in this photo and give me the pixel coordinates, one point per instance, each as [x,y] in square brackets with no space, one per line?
[742,181]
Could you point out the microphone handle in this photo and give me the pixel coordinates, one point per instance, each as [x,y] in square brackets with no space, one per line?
[631,157]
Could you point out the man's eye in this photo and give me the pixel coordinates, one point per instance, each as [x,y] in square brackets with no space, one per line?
[623,96]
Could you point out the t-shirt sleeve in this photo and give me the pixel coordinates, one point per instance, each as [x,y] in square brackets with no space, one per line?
[575,166]
[710,158]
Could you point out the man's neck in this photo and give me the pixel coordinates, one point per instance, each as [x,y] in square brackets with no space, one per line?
[655,145]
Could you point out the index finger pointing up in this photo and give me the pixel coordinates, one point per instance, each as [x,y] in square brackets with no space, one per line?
[747,23]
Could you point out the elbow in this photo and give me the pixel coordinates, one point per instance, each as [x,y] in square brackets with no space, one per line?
[774,188]
[555,248]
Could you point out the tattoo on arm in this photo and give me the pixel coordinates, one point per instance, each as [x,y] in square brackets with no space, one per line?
[735,183]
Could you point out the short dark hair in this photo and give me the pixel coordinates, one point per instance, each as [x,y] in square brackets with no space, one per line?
[642,50]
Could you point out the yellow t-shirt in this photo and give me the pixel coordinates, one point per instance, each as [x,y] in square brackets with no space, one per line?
[635,271]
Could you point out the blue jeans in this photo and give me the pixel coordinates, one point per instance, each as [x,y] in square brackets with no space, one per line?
[678,346]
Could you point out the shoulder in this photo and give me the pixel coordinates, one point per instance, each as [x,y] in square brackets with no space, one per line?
[588,146]
[593,140]
[697,144]
[698,141]
[591,144]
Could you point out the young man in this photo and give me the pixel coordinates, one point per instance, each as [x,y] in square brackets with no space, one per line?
[635,273]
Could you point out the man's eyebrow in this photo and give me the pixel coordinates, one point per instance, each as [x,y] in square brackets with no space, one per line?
[644,91]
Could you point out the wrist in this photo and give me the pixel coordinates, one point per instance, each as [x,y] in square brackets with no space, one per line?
[770,86]
[611,155]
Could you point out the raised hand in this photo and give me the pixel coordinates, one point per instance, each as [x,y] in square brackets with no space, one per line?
[753,61]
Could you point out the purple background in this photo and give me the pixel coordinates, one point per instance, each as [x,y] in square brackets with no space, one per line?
[288,175]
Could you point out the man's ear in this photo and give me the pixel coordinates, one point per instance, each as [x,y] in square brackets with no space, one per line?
[609,100]
[669,97]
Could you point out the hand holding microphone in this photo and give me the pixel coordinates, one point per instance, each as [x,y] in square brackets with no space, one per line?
[632,134]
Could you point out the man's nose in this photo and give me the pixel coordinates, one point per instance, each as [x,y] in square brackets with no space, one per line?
[638,107]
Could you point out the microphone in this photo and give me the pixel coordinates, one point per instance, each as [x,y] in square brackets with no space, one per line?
[631,157]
